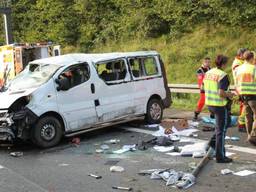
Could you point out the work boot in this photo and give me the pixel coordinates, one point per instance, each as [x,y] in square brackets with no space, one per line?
[242,128]
[195,118]
[225,160]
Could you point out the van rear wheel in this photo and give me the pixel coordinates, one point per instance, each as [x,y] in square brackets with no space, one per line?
[154,111]
[47,132]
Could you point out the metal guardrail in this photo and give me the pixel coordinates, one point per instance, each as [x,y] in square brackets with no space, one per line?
[187,88]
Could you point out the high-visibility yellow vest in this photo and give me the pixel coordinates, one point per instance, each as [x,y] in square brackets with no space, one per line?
[211,80]
[236,63]
[246,79]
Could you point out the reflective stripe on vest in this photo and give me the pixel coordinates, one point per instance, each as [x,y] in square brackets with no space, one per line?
[246,79]
[211,80]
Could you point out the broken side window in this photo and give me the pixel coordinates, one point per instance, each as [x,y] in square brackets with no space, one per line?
[136,65]
[150,66]
[112,70]
[76,74]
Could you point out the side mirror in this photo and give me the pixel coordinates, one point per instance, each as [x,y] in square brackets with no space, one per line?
[63,84]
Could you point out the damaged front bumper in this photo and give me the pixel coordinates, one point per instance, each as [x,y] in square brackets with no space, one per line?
[16,125]
[6,131]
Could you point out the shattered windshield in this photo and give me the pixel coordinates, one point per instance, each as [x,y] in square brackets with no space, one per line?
[32,76]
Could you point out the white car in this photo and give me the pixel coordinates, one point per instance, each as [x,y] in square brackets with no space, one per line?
[75,93]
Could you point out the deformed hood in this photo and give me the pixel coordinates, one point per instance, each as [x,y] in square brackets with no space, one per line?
[7,98]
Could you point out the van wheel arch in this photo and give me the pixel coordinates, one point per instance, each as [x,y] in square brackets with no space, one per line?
[57,116]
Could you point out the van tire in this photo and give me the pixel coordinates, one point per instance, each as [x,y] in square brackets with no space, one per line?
[154,111]
[47,132]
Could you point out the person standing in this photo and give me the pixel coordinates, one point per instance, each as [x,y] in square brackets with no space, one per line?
[238,61]
[200,77]
[246,87]
[216,85]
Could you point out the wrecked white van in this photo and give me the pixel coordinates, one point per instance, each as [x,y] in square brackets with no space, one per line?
[75,93]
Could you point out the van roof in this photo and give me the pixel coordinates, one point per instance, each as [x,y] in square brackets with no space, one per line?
[70,59]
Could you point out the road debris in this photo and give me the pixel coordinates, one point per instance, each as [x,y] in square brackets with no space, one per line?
[104,147]
[99,150]
[234,138]
[197,148]
[122,188]
[226,171]
[163,148]
[95,176]
[112,141]
[76,141]
[63,165]
[116,169]
[125,149]
[179,124]
[244,173]
[16,154]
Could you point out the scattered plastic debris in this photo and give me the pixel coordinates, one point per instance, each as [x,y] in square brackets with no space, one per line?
[163,148]
[112,141]
[175,154]
[125,148]
[244,173]
[122,188]
[229,154]
[189,150]
[104,147]
[99,150]
[198,154]
[116,169]
[16,154]
[226,171]
[234,138]
[95,176]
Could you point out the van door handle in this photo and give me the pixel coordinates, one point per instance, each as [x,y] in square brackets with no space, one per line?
[96,102]
[92,88]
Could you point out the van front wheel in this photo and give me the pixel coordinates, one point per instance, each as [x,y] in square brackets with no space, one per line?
[154,111]
[47,132]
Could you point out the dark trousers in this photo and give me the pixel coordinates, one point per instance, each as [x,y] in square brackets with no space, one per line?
[218,139]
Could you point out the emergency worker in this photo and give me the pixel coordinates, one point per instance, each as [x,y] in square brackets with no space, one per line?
[200,77]
[216,85]
[246,87]
[238,61]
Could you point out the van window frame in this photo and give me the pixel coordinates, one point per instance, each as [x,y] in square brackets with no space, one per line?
[115,82]
[74,65]
[155,57]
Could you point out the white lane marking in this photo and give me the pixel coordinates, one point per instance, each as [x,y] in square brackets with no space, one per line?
[230,147]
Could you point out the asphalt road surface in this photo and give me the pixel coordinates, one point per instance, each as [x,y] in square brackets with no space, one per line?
[65,168]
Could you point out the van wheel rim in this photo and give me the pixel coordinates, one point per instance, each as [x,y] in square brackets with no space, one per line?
[48,132]
[155,111]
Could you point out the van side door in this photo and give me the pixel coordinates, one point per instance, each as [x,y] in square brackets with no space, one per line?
[115,93]
[77,103]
